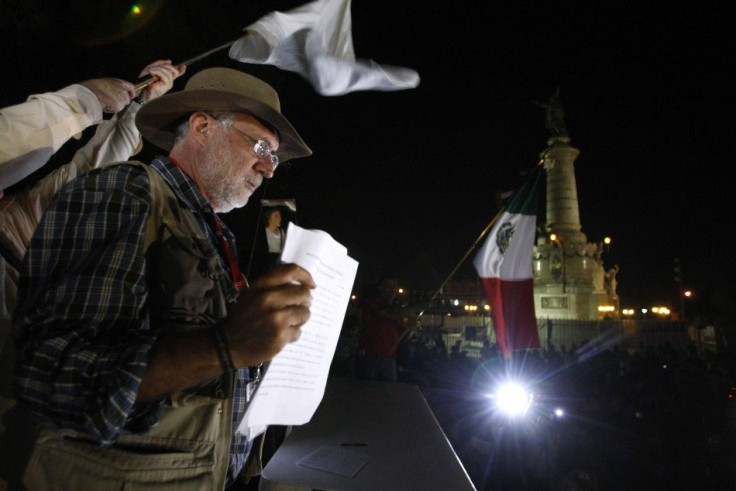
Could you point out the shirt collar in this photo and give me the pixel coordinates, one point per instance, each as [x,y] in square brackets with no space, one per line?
[182,184]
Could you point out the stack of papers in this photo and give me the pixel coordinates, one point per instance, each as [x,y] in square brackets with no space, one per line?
[294,382]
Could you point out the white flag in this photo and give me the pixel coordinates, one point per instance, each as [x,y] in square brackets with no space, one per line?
[315,41]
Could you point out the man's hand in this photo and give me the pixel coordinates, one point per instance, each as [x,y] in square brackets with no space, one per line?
[269,315]
[266,318]
[113,93]
[165,74]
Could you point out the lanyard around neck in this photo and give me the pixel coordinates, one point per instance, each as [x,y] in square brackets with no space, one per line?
[239,281]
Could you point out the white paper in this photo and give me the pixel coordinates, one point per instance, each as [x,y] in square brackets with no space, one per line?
[294,382]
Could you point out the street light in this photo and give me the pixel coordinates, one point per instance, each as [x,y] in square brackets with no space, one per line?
[607,243]
[661,311]
[684,294]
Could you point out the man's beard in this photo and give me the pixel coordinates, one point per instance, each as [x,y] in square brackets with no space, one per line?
[222,184]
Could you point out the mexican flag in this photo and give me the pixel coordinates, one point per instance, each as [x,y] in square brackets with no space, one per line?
[504,265]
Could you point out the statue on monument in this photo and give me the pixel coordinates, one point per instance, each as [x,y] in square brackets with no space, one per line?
[610,281]
[555,117]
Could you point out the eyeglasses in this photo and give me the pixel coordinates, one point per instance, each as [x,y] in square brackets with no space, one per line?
[260,147]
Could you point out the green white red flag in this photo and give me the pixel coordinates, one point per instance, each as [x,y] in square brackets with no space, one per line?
[504,264]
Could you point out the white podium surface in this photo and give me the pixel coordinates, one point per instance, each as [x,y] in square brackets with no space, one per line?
[367,435]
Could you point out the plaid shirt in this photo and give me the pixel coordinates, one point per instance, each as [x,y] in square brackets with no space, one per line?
[82,326]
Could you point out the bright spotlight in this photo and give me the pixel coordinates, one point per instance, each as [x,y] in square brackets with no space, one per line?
[559,412]
[513,399]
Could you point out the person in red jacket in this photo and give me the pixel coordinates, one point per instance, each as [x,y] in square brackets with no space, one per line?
[381,330]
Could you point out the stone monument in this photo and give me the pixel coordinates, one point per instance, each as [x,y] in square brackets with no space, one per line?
[570,281]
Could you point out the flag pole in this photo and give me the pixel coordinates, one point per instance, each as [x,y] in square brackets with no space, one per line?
[460,263]
[150,80]
[452,273]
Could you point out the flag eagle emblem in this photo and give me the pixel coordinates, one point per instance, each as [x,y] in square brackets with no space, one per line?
[503,236]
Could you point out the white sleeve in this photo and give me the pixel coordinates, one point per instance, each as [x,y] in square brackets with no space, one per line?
[31,132]
[115,140]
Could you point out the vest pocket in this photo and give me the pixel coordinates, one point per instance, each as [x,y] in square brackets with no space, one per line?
[185,271]
[158,463]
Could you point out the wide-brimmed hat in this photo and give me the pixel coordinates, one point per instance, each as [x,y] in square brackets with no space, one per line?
[219,89]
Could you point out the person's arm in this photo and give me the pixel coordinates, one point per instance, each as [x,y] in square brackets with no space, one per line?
[115,140]
[21,211]
[81,329]
[33,131]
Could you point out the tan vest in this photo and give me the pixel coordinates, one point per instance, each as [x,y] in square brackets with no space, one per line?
[189,447]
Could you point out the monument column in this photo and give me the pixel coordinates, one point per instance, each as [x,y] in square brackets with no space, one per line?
[563,211]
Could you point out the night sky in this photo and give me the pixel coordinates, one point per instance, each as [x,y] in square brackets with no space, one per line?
[407,180]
